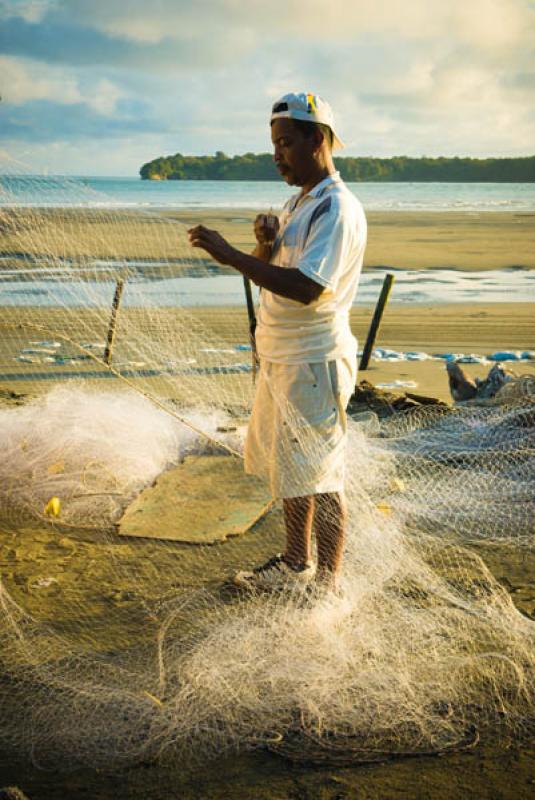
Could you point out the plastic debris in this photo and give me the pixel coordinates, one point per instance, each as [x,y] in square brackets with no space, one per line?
[61,360]
[472,359]
[397,384]
[180,362]
[216,350]
[448,356]
[56,469]
[384,508]
[38,351]
[43,583]
[53,507]
[387,355]
[505,355]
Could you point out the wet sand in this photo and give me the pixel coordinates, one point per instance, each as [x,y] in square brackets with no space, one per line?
[409,240]
[424,240]
[480,328]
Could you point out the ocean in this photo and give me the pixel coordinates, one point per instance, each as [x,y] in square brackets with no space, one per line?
[107,192]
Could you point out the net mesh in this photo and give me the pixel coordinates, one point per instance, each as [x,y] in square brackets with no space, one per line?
[116,650]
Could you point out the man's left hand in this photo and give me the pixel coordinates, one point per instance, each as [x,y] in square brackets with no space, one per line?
[212,242]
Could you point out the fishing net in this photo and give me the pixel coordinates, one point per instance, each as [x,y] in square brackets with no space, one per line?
[116,650]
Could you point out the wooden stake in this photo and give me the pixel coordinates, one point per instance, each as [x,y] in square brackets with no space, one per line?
[113,320]
[376,321]
[252,323]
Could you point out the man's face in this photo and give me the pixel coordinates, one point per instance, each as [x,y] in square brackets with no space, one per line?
[293,153]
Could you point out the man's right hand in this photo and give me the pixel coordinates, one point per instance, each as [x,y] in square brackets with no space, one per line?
[266,227]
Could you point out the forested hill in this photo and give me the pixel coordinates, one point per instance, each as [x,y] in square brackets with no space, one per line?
[260,167]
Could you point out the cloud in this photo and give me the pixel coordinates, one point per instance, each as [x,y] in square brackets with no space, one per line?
[22,81]
[175,35]
[30,10]
[45,121]
[63,38]
[480,23]
[407,77]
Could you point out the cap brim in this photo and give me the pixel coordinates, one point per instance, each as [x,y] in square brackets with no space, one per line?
[337,143]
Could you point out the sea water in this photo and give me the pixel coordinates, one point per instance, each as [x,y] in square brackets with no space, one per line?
[132,192]
[411,286]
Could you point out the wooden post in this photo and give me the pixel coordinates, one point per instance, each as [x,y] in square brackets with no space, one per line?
[252,323]
[113,320]
[376,321]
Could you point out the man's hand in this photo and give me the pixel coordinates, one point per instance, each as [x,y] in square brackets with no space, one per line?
[286,282]
[266,227]
[211,241]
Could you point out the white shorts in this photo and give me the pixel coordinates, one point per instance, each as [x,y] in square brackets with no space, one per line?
[297,432]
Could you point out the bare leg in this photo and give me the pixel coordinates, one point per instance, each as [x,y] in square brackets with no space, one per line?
[298,516]
[329,525]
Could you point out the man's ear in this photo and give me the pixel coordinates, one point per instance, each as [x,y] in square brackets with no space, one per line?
[319,138]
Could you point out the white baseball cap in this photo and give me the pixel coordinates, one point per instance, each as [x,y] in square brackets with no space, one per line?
[309,108]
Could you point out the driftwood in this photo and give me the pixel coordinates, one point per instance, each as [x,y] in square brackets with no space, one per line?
[368,397]
[463,388]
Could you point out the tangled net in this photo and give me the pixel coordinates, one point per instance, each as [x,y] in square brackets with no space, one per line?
[115,650]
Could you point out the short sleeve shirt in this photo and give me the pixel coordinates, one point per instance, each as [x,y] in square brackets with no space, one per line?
[323,235]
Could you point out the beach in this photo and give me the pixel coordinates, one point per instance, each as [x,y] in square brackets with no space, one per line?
[81,562]
[438,249]
[218,579]
[482,329]
[467,241]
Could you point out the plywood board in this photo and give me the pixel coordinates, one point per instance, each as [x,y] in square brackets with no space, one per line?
[201,501]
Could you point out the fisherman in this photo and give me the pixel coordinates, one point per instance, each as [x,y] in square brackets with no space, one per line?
[307,264]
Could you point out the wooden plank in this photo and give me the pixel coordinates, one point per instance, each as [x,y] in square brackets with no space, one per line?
[201,501]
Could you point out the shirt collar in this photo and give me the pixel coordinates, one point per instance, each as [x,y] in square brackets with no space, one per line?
[334,177]
[315,192]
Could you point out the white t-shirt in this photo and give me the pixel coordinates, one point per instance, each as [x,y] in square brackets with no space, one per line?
[324,237]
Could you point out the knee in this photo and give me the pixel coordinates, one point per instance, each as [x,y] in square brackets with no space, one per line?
[331,503]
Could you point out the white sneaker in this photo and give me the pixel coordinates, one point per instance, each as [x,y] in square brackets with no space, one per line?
[275,575]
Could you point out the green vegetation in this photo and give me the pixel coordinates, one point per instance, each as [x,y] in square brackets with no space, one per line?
[260,167]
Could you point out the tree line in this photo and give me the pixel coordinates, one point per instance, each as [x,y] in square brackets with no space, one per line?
[260,167]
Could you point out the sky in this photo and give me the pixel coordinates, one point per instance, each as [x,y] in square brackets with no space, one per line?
[98,87]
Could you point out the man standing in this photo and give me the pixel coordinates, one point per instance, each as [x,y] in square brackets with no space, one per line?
[307,265]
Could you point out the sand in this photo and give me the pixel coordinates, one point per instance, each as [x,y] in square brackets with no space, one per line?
[481,329]
[424,240]
[82,564]
[408,240]
[432,240]
[81,561]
